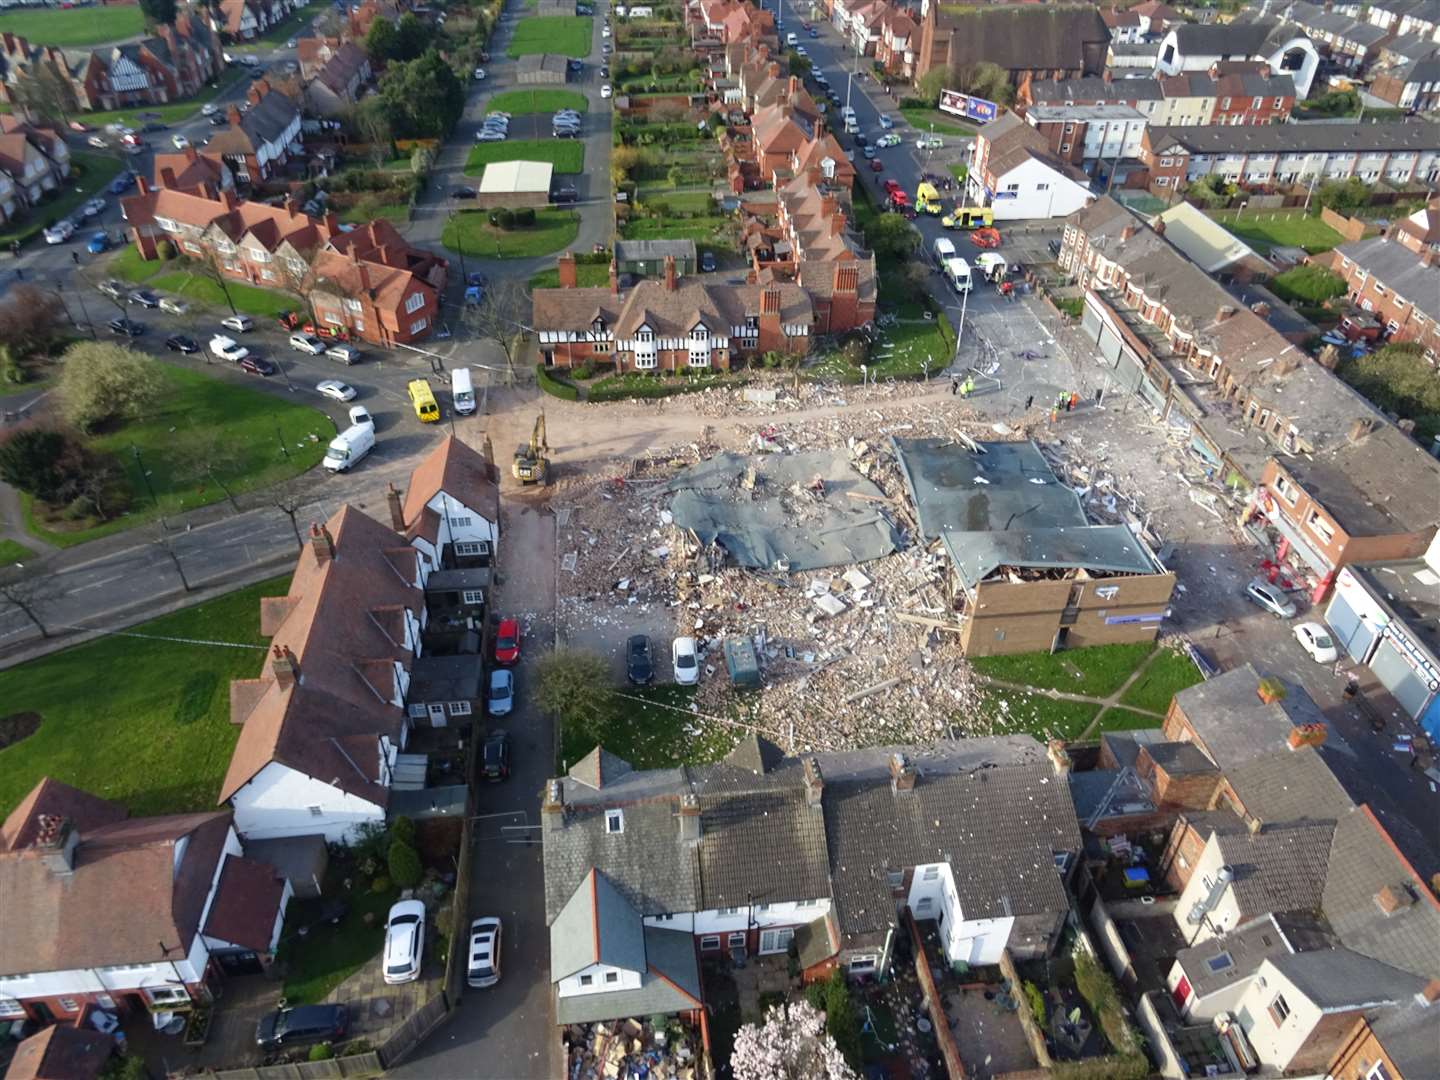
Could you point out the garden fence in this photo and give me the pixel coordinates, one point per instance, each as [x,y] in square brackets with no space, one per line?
[341,1068]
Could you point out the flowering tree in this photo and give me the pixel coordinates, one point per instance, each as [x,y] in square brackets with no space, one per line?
[790,1045]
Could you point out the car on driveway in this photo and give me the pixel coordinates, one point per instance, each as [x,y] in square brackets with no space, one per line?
[302,1024]
[501,698]
[576,65]
[126,327]
[564,195]
[495,756]
[226,348]
[61,231]
[404,942]
[1315,639]
[483,968]
[99,243]
[258,365]
[145,298]
[1271,598]
[182,344]
[334,388]
[639,664]
[241,324]
[462,193]
[507,641]
[307,343]
[707,262]
[685,659]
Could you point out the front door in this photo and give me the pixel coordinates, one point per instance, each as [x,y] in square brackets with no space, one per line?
[775,941]
[437,714]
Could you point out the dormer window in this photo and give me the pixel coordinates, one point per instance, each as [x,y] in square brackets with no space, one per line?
[644,334]
[614,821]
[699,333]
[598,326]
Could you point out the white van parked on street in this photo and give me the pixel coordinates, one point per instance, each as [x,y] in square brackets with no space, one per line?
[462,391]
[349,446]
[957,273]
[943,250]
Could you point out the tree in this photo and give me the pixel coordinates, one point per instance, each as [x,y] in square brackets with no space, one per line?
[158,11]
[1344,196]
[790,1045]
[574,686]
[891,237]
[799,65]
[371,121]
[208,453]
[985,80]
[1397,379]
[423,98]
[45,95]
[412,37]
[100,382]
[932,82]
[30,461]
[501,317]
[623,161]
[30,319]
[382,40]
[404,862]
[29,592]
[289,497]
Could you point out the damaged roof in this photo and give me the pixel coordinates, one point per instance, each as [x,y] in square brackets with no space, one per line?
[1112,548]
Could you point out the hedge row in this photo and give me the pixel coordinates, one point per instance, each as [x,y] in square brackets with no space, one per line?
[621,391]
[556,387]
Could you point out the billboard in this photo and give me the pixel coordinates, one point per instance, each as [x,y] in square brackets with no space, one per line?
[971,108]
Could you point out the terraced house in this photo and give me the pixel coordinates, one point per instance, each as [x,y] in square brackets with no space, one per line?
[33,160]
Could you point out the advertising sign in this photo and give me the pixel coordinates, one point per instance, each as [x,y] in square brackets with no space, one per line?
[971,108]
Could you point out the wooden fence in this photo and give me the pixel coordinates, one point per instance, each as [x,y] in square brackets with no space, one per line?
[340,1068]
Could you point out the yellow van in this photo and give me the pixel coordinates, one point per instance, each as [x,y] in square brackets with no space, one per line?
[423,399]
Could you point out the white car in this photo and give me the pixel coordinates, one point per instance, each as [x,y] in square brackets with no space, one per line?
[886,122]
[686,661]
[361,415]
[605,91]
[1315,639]
[92,207]
[888,140]
[479,75]
[228,348]
[98,142]
[404,942]
[1271,598]
[489,135]
[174,307]
[498,115]
[209,109]
[307,343]
[241,324]
[179,142]
[483,967]
[605,32]
[334,388]
[60,232]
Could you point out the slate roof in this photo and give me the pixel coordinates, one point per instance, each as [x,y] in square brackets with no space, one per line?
[1250,37]
[1279,868]
[775,830]
[1233,725]
[596,926]
[1247,946]
[1025,36]
[669,983]
[1289,785]
[1013,142]
[1342,979]
[1301,138]
[1366,485]
[1399,269]
[246,903]
[1407,1035]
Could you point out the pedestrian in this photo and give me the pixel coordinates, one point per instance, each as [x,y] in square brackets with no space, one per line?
[1060,403]
[954,384]
[968,387]
[1099,396]
[1029,401]
[1074,400]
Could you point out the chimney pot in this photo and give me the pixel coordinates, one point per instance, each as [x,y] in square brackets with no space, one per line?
[1307,735]
[689,817]
[1224,312]
[1431,994]
[552,810]
[671,281]
[397,512]
[284,666]
[1127,233]
[321,542]
[614,279]
[1359,428]
[814,782]
[167,177]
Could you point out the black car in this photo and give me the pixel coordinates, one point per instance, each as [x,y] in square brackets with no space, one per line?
[707,262]
[302,1024]
[604,71]
[639,665]
[145,298]
[182,344]
[219,120]
[860,139]
[126,327]
[576,65]
[495,756]
[565,195]
[1054,246]
[462,193]
[258,365]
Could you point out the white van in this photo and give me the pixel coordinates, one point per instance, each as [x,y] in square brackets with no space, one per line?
[462,391]
[957,273]
[792,40]
[943,250]
[349,446]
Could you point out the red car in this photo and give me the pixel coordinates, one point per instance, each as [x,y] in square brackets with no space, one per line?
[876,165]
[890,186]
[507,642]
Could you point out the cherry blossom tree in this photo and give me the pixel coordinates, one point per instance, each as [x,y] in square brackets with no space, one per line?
[790,1045]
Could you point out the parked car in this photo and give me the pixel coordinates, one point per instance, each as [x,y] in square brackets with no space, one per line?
[241,324]
[686,661]
[886,121]
[145,298]
[61,231]
[97,141]
[565,195]
[565,131]
[307,343]
[218,120]
[173,306]
[489,135]
[182,344]
[122,183]
[258,365]
[891,186]
[479,75]
[576,65]
[870,153]
[639,665]
[227,349]
[126,327]
[360,415]
[1271,598]
[507,641]
[180,142]
[334,388]
[92,207]
[707,262]
[1315,639]
[483,968]
[302,1024]
[404,942]
[112,288]
[346,354]
[606,91]
[502,692]
[495,756]
[209,109]
[99,243]
[462,193]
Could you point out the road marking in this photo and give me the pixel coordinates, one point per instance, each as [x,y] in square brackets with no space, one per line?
[94,584]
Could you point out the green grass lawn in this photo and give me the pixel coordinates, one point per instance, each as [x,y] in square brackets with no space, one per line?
[138,719]
[682,202]
[586,274]
[1167,674]
[567,155]
[169,114]
[1307,284]
[248,299]
[471,233]
[12,552]
[286,29]
[923,120]
[904,349]
[366,210]
[74,28]
[959,172]
[1010,712]
[1118,719]
[1095,672]
[712,232]
[328,955]
[89,174]
[657,731]
[127,265]
[252,425]
[568,35]
[519,102]
[1266,229]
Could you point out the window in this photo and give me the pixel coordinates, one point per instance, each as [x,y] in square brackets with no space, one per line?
[1069,129]
[859,965]
[1279,103]
[612,976]
[470,547]
[1286,490]
[932,873]
[352,305]
[710,942]
[415,327]
[418,712]
[737,939]
[1279,1010]
[1065,148]
[316,811]
[68,1004]
[167,994]
[1220,963]
[1225,103]
[664,918]
[923,906]
[1042,187]
[587,980]
[459,708]
[1320,527]
[414,302]
[166,224]
[460,522]
[259,255]
[614,821]
[10,1007]
[729,910]
[1012,187]
[473,596]
[896,878]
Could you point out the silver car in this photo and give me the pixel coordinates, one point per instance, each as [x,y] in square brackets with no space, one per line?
[502,692]
[483,967]
[1271,598]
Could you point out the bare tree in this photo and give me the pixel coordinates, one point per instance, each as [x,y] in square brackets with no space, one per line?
[29,591]
[45,95]
[162,540]
[208,266]
[502,316]
[290,496]
[371,121]
[207,454]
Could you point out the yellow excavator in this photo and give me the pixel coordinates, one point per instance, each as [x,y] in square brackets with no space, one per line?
[531,466]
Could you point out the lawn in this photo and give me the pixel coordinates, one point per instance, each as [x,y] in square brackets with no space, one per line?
[519,102]
[1014,711]
[73,28]
[586,274]
[328,955]
[145,718]
[905,349]
[712,231]
[1307,284]
[169,114]
[1096,672]
[655,729]
[959,172]
[568,35]
[367,210]
[89,174]
[1266,229]
[1118,719]
[924,120]
[567,155]
[286,29]
[262,303]
[267,438]
[470,233]
[12,553]
[127,265]
[680,202]
[1167,674]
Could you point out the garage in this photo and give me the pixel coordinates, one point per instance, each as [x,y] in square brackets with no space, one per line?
[542,69]
[515,183]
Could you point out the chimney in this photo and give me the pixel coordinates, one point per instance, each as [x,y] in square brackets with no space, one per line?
[566,267]
[190,153]
[814,782]
[397,513]
[794,86]
[770,302]
[167,177]
[1261,308]
[837,224]
[230,199]
[332,223]
[774,71]
[1393,898]
[552,809]
[1224,312]
[1430,994]
[614,279]
[902,774]
[1360,427]
[689,818]
[284,666]
[1427,257]
[1306,735]
[1254,825]
[1127,234]
[233,115]
[1059,757]
[671,281]
[321,543]
[142,185]
[57,840]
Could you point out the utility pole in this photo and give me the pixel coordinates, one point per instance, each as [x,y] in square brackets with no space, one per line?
[140,464]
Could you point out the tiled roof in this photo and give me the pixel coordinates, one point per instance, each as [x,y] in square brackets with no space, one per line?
[1399,269]
[61,1052]
[1289,785]
[458,471]
[1336,979]
[1302,138]
[1013,141]
[1243,37]
[1023,36]
[246,904]
[669,313]
[1279,868]
[758,846]
[1233,725]
[597,925]
[669,983]
[51,798]
[342,67]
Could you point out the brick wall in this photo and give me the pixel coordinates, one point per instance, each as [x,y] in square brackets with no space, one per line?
[1350,228]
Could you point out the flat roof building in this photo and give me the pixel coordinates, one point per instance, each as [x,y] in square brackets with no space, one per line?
[515,183]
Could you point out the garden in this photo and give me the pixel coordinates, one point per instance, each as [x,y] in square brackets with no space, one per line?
[926,120]
[1267,229]
[159,739]
[510,234]
[568,35]
[89,175]
[1398,379]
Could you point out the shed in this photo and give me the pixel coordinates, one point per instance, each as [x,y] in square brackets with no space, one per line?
[515,183]
[442,687]
[542,69]
[741,662]
[644,257]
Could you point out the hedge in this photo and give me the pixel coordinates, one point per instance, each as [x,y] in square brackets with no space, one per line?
[621,391]
[556,387]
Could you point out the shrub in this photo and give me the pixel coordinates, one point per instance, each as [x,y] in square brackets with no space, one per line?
[405,868]
[855,351]
[1037,1002]
[584,371]
[402,828]
[832,997]
[525,217]
[380,885]
[1098,990]
[554,385]
[322,1052]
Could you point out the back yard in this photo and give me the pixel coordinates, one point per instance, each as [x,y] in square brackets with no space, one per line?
[74,27]
[569,35]
[158,738]
[1266,229]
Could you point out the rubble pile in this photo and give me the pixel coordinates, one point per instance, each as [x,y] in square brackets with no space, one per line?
[625,1049]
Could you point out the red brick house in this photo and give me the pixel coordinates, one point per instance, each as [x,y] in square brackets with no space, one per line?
[188,170]
[1421,230]
[1395,284]
[895,51]
[1247,92]
[668,324]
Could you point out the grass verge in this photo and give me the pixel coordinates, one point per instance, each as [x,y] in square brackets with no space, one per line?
[1266,229]
[926,120]
[1164,677]
[1096,672]
[73,28]
[471,233]
[586,275]
[519,102]
[1118,719]
[171,113]
[1013,711]
[249,300]
[13,552]
[655,729]
[568,35]
[158,739]
[567,155]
